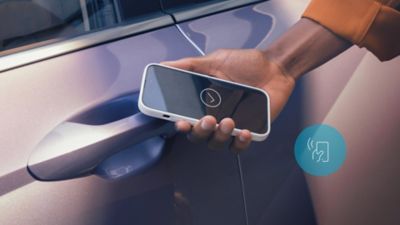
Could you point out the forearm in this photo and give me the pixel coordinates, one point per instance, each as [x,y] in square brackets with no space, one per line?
[305,46]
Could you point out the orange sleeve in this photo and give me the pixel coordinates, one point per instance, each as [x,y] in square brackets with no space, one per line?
[366,23]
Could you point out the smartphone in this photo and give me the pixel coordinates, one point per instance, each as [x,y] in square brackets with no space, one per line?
[174,94]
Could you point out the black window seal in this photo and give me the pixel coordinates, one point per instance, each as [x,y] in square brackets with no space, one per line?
[205,9]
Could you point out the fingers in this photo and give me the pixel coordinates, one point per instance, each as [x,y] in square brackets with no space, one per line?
[206,129]
[202,130]
[195,64]
[183,126]
[241,141]
[222,134]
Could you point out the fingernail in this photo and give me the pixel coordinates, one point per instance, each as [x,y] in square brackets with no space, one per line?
[179,125]
[226,130]
[242,139]
[206,125]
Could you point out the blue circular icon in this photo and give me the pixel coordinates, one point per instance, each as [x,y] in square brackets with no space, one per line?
[320,150]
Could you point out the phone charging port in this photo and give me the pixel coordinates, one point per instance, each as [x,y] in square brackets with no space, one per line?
[166,116]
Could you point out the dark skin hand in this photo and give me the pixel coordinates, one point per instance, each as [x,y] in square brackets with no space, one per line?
[304,47]
[243,66]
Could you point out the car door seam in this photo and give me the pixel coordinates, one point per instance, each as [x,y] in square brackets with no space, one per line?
[239,163]
[238,156]
[190,40]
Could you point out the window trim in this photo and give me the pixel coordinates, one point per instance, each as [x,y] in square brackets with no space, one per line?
[23,58]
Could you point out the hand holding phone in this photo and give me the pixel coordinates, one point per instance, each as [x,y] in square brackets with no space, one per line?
[247,66]
[174,94]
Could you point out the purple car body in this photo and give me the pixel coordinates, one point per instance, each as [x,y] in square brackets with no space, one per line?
[75,150]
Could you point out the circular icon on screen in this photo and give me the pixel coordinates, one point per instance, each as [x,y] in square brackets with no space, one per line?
[210,97]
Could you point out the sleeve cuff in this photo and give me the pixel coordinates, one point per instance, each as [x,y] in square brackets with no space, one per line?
[366,23]
[349,19]
[383,36]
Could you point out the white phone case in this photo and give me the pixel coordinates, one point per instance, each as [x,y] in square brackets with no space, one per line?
[175,117]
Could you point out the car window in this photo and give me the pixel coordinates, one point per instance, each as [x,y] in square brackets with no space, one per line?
[26,24]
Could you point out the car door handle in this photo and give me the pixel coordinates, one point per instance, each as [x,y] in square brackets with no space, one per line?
[75,149]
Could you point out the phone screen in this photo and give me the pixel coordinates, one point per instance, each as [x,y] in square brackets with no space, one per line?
[195,96]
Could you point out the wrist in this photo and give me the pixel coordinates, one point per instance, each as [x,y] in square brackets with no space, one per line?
[305,46]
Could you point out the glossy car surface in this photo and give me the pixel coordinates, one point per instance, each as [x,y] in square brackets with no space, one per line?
[74,148]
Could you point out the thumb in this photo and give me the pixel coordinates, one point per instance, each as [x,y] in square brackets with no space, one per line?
[195,64]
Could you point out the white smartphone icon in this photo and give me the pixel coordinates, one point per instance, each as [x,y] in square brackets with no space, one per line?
[174,94]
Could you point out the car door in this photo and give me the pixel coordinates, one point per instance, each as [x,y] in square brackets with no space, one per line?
[275,188]
[74,148]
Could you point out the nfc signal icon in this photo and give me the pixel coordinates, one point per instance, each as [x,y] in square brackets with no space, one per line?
[319,150]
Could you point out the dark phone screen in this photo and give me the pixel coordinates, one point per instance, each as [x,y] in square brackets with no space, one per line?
[195,96]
